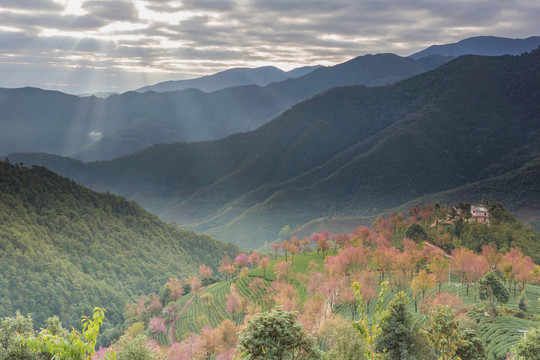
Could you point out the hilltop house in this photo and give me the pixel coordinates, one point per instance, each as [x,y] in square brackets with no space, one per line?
[479,213]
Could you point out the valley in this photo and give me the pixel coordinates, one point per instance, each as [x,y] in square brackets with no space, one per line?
[384,207]
[343,151]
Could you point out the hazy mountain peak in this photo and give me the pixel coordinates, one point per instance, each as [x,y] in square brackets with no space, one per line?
[482,45]
[232,77]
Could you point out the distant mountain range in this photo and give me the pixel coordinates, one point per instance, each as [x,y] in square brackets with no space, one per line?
[482,45]
[352,150]
[90,128]
[261,76]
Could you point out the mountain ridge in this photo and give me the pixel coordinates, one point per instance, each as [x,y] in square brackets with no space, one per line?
[260,76]
[482,45]
[91,128]
[101,129]
[347,150]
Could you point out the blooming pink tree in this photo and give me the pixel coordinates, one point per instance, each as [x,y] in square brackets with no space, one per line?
[304,245]
[186,350]
[205,272]
[385,257]
[357,257]
[285,294]
[362,236]
[176,290]
[292,246]
[196,285]
[329,288]
[439,267]
[321,239]
[264,265]
[155,305]
[282,269]
[208,342]
[368,286]
[454,302]
[157,325]
[276,248]
[336,265]
[232,304]
[227,335]
[226,266]
[471,267]
[492,256]
[102,353]
[521,267]
[241,260]
[323,245]
[257,285]
[254,258]
[341,240]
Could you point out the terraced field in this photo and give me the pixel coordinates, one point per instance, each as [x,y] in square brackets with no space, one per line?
[499,335]
[203,310]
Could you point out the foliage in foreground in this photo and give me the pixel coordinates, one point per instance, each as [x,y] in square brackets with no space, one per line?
[529,347]
[277,335]
[79,346]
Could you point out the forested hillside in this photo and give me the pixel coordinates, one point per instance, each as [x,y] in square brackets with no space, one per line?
[65,249]
[352,150]
[518,190]
[90,128]
[433,267]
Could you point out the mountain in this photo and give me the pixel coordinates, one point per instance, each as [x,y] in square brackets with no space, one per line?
[353,150]
[482,45]
[90,128]
[518,190]
[232,77]
[65,249]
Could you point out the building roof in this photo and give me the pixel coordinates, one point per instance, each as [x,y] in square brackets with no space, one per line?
[478,208]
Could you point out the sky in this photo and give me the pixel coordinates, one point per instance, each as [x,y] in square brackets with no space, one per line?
[84,46]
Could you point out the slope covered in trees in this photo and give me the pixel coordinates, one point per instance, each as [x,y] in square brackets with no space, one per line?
[349,150]
[91,128]
[432,294]
[518,190]
[65,249]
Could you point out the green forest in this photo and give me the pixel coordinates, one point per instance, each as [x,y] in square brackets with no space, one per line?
[432,282]
[65,249]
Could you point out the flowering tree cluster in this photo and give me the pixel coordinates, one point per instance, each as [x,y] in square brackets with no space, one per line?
[364,256]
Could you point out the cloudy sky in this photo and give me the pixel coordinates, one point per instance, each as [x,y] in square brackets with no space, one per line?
[80,46]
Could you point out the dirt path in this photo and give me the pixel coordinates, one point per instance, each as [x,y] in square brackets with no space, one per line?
[234,291]
[439,250]
[171,333]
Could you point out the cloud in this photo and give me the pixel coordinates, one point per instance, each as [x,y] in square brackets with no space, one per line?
[182,38]
[112,10]
[218,5]
[34,5]
[36,22]
[190,5]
